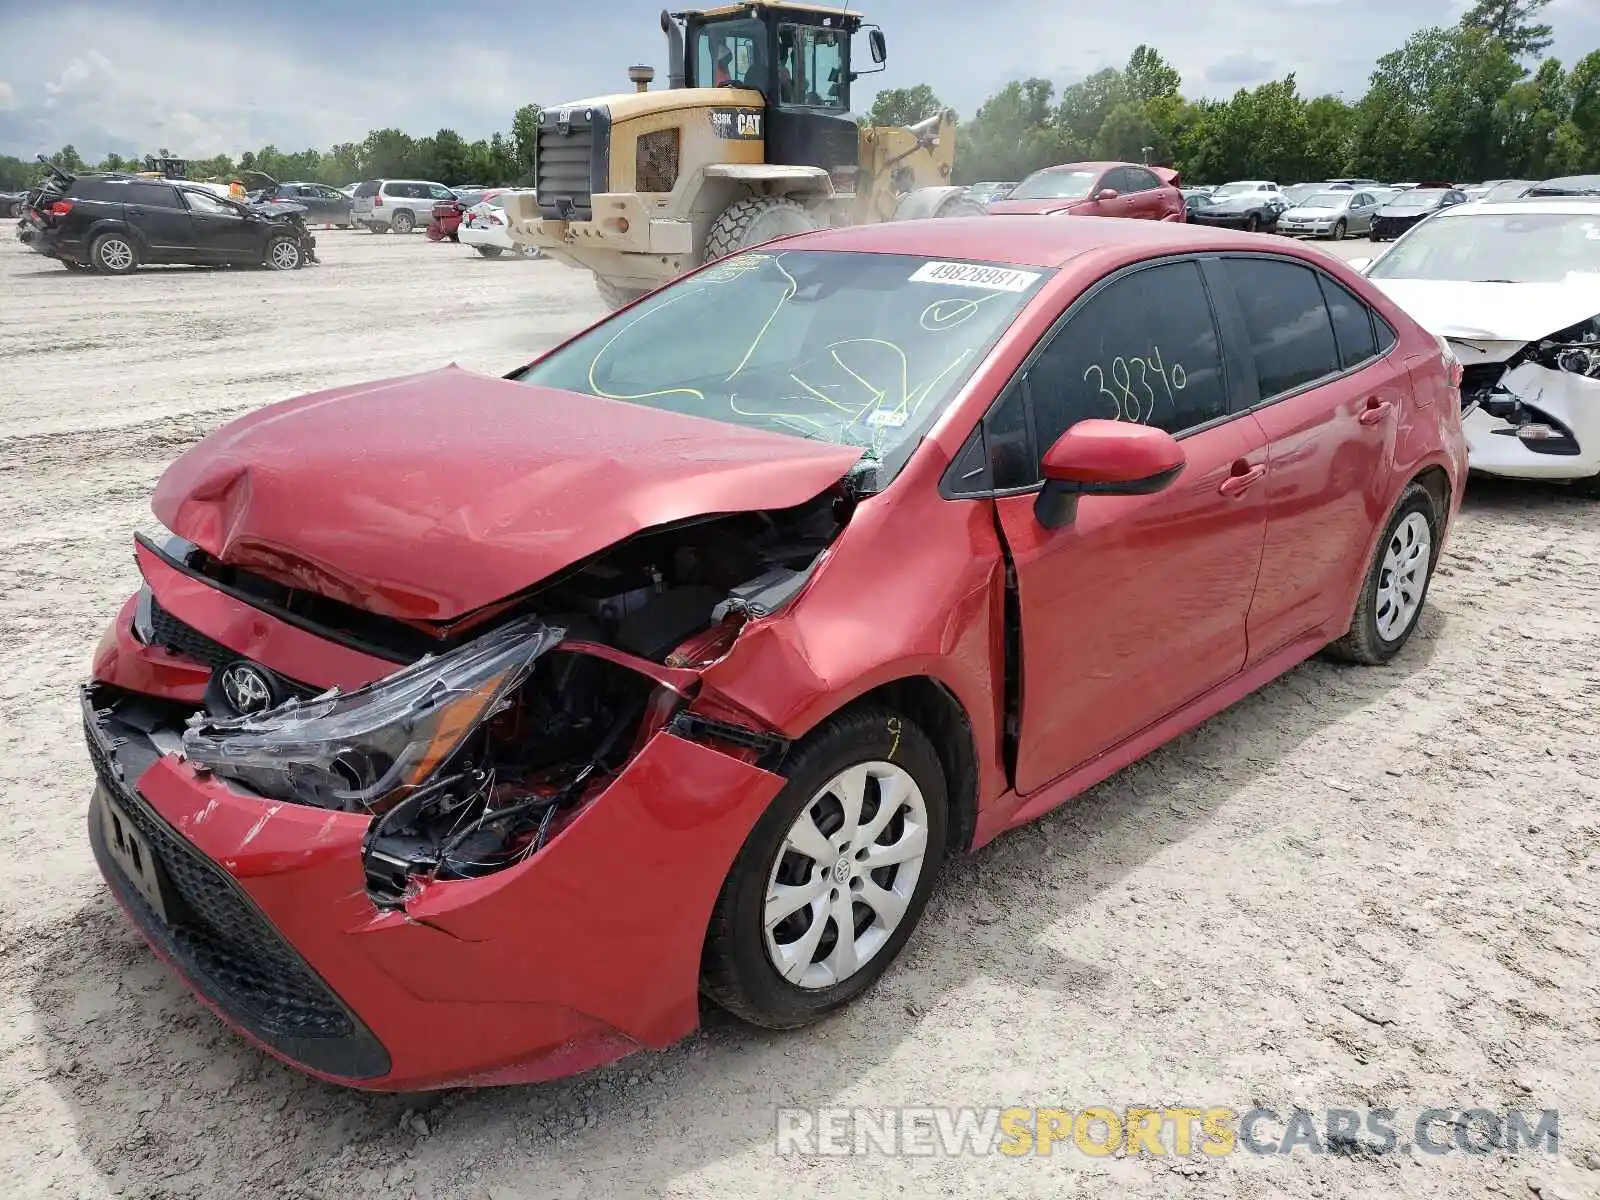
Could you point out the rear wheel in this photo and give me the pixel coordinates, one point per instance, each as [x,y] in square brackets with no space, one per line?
[403,222]
[961,206]
[113,254]
[616,295]
[754,220]
[490,251]
[1397,583]
[17,209]
[835,875]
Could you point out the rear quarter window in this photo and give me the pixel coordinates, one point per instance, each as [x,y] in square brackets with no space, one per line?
[369,188]
[98,189]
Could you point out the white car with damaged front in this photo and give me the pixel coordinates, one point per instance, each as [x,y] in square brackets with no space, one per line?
[488,226]
[1514,287]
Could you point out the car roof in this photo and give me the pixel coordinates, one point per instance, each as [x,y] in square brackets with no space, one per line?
[1561,206]
[1026,239]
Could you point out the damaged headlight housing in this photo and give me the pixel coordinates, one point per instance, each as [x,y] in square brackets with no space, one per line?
[360,751]
[1575,350]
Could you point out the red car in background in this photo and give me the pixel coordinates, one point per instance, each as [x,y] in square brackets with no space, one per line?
[1098,189]
[632,706]
[447,215]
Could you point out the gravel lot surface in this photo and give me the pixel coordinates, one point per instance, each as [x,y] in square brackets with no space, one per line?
[1357,888]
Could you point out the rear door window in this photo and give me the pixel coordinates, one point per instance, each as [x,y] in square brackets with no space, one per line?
[1352,323]
[1290,331]
[155,195]
[99,189]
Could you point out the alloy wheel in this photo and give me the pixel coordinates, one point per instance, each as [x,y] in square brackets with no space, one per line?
[116,254]
[285,256]
[845,875]
[1404,576]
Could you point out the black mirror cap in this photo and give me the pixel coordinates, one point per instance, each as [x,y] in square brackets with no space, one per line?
[878,46]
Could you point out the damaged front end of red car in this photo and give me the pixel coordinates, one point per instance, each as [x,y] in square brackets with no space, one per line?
[404,854]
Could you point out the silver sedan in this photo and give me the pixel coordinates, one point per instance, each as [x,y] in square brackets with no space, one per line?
[1330,214]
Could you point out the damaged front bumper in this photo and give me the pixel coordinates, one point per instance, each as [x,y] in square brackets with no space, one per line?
[578,953]
[1536,423]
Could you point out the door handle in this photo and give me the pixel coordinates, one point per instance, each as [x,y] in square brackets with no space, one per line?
[1240,481]
[1375,411]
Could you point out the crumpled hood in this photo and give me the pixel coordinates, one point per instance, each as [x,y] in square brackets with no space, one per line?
[1499,312]
[430,495]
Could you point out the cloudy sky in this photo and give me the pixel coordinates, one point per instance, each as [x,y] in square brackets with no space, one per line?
[207,77]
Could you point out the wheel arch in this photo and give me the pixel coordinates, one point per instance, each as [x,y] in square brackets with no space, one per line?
[935,709]
[1436,481]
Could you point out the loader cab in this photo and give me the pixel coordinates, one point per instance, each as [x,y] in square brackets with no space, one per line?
[799,60]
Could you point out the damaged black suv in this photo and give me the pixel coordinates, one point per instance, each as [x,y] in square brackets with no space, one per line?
[114,223]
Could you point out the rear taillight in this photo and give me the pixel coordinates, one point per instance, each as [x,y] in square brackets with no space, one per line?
[1452,364]
[377,200]
[60,208]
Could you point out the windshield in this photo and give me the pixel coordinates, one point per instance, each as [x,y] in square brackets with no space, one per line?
[1230,191]
[1326,200]
[858,349]
[1515,248]
[729,52]
[1507,191]
[1296,195]
[1415,199]
[1055,185]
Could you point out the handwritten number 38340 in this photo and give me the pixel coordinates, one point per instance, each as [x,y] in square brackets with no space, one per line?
[1133,383]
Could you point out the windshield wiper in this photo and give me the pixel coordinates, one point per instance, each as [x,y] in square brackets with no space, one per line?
[1494,281]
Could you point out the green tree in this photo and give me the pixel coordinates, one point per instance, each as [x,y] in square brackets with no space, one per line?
[1149,76]
[1012,134]
[1512,23]
[904,106]
[525,140]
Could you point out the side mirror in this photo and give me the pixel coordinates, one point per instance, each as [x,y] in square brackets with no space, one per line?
[1107,194]
[878,46]
[1104,458]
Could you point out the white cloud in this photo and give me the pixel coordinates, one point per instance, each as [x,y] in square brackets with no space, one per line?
[134,83]
[8,96]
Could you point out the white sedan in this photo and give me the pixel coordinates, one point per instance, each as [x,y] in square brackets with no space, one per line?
[1514,287]
[486,228]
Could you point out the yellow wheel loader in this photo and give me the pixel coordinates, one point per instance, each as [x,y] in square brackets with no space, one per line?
[751,140]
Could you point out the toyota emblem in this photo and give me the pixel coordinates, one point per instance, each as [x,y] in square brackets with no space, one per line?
[247,688]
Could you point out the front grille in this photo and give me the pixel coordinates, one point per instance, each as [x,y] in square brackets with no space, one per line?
[229,950]
[656,161]
[574,160]
[169,633]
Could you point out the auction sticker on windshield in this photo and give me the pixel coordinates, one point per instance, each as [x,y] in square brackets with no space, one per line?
[997,279]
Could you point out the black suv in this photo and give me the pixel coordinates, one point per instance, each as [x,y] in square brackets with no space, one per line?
[114,223]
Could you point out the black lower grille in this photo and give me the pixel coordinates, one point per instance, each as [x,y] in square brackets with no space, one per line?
[172,634]
[227,948]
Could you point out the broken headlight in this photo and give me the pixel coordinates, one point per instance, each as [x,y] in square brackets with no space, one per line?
[361,750]
[1575,350]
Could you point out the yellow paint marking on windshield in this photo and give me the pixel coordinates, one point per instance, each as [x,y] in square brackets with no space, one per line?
[819,395]
[934,320]
[788,295]
[594,365]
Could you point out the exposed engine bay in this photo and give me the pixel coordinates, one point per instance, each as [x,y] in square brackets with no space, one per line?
[1541,399]
[475,754]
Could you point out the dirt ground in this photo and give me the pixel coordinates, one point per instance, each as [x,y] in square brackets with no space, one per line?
[1359,888]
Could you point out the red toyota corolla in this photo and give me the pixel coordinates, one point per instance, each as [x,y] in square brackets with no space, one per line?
[1097,189]
[467,729]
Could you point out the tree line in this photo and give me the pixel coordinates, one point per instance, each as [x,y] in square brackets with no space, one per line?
[1472,101]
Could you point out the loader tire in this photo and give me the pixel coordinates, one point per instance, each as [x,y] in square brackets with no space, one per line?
[752,221]
[961,206]
[615,295]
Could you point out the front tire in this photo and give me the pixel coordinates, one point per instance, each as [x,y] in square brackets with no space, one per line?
[961,206]
[489,251]
[283,254]
[1396,587]
[1339,230]
[614,294]
[835,875]
[114,254]
[1252,224]
[754,220]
